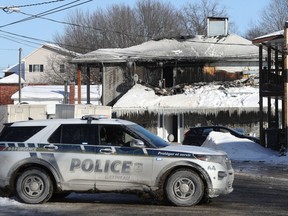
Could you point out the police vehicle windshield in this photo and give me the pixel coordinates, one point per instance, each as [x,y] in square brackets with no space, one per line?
[153,139]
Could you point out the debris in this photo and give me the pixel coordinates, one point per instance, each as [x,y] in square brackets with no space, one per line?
[224,85]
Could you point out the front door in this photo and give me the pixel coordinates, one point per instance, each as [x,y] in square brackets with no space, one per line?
[118,165]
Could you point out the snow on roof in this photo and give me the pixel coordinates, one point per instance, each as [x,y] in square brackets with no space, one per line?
[60,49]
[273,34]
[11,79]
[230,46]
[202,99]
[55,92]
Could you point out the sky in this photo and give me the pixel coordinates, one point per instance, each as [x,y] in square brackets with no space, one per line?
[16,33]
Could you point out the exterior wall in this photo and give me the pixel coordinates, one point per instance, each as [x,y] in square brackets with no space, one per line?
[6,91]
[229,70]
[154,73]
[117,81]
[41,56]
[247,121]
[149,121]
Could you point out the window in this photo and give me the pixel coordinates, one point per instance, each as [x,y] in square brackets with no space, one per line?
[19,134]
[36,68]
[114,135]
[75,134]
[62,68]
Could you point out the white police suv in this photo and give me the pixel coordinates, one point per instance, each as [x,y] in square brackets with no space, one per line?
[43,158]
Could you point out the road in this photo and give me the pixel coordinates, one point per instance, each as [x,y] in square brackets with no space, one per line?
[253,195]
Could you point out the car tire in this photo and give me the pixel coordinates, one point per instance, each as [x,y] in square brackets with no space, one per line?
[34,186]
[184,188]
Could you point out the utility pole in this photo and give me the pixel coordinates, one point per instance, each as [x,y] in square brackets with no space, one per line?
[20,74]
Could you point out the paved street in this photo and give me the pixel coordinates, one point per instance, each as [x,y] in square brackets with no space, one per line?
[259,189]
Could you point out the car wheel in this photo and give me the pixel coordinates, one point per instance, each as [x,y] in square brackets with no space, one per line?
[34,186]
[184,188]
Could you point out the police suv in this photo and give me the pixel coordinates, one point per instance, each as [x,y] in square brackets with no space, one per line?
[44,158]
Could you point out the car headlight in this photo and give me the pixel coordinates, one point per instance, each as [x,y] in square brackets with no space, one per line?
[220,159]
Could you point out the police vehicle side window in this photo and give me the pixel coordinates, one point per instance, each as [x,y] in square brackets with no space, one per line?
[114,135]
[19,134]
[75,134]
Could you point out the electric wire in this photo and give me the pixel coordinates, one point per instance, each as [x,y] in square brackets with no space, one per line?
[48,12]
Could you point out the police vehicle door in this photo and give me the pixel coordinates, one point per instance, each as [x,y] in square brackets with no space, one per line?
[74,155]
[118,165]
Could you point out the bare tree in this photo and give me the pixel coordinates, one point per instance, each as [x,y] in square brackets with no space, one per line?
[84,32]
[272,19]
[119,26]
[254,31]
[157,19]
[194,16]
[59,70]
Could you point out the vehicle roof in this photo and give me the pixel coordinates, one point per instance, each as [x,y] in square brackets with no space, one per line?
[47,122]
[211,126]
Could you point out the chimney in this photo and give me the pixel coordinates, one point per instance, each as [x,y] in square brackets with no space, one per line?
[217,26]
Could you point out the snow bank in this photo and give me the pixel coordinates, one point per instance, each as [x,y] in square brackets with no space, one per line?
[239,149]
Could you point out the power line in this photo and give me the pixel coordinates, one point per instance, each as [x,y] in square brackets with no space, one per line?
[48,12]
[37,4]
[40,40]
[40,15]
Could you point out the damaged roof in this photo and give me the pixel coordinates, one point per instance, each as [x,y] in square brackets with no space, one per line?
[227,47]
[202,98]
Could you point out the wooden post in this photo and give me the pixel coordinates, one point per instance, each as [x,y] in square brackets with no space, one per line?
[20,75]
[261,131]
[285,84]
[79,83]
[88,85]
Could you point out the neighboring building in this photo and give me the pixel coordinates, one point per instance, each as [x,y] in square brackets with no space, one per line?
[8,86]
[38,65]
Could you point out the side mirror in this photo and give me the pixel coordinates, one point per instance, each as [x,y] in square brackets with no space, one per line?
[170,138]
[136,143]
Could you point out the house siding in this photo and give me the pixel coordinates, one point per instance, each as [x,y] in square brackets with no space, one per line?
[118,80]
[41,56]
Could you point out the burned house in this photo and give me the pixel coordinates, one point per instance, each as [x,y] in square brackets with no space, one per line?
[173,63]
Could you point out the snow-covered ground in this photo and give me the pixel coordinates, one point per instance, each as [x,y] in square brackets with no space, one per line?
[239,149]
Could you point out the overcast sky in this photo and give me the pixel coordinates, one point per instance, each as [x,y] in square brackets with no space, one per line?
[16,33]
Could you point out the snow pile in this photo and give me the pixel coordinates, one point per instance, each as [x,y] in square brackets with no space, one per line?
[240,149]
[8,202]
